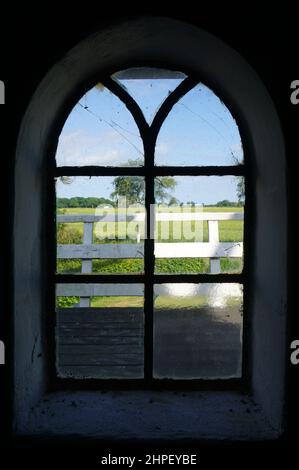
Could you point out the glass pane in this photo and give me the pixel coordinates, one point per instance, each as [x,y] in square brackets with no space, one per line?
[149,87]
[198,331]
[99,330]
[100,225]
[100,131]
[199,131]
[199,224]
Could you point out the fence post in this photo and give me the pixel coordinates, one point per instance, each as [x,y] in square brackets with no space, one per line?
[86,263]
[214,238]
[138,234]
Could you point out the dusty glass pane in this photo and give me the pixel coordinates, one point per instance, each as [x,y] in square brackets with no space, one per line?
[199,130]
[149,87]
[100,225]
[100,131]
[99,331]
[199,224]
[197,331]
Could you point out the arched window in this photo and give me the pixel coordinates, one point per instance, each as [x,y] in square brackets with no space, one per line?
[169,45]
[152,163]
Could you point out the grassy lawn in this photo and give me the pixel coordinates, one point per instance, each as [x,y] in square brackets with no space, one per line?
[89,210]
[109,232]
[163,266]
[223,209]
[161,302]
[72,233]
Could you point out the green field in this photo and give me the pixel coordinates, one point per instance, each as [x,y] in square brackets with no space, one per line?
[87,210]
[162,302]
[72,233]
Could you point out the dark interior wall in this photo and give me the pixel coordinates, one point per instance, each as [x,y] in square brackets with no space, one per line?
[34,43]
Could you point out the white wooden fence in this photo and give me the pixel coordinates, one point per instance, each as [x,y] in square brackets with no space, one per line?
[87,251]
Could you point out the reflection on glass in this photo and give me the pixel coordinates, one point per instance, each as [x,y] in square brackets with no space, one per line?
[99,331]
[100,131]
[149,87]
[100,225]
[197,331]
[199,131]
[199,224]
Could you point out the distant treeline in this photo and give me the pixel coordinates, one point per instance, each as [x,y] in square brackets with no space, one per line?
[226,203]
[64,202]
[93,202]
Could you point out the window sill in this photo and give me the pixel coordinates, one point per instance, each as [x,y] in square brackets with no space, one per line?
[147,415]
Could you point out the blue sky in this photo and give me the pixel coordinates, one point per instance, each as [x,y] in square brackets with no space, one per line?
[198,131]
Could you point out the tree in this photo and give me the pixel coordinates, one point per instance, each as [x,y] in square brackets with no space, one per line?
[133,187]
[225,203]
[130,187]
[173,201]
[163,185]
[241,189]
[191,203]
[64,202]
[240,182]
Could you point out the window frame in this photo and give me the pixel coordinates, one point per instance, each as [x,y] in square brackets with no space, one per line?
[149,134]
[126,42]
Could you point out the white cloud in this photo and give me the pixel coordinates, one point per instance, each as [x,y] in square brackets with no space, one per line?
[80,148]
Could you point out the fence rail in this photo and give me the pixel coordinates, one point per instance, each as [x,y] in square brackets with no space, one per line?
[87,251]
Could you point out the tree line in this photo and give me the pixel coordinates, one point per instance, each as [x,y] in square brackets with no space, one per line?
[93,202]
[65,202]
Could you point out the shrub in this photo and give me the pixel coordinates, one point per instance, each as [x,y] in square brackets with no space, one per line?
[64,302]
[67,235]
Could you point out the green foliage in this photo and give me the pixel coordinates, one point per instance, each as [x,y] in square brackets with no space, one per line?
[65,302]
[117,266]
[173,201]
[130,187]
[163,185]
[69,266]
[68,235]
[182,266]
[136,266]
[133,187]
[117,301]
[64,202]
[240,182]
[226,203]
[229,231]
[190,203]
[231,265]
[163,266]
[241,189]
